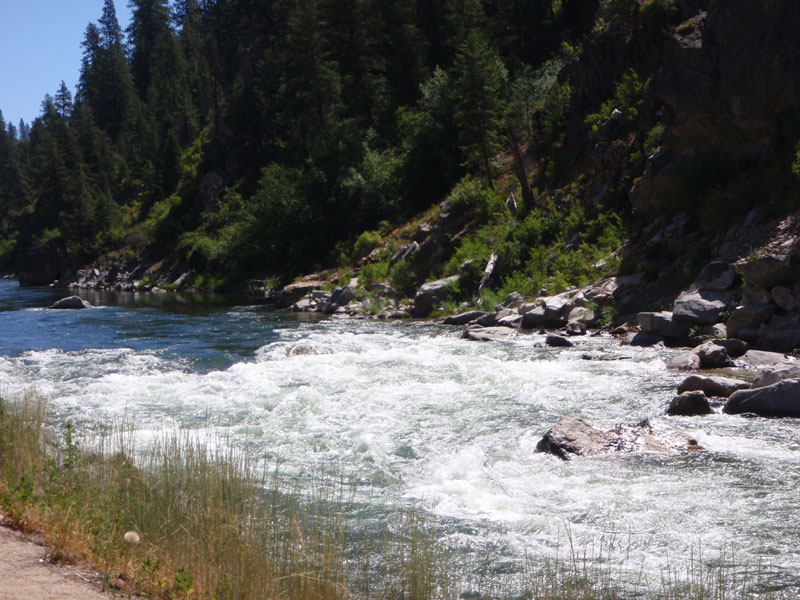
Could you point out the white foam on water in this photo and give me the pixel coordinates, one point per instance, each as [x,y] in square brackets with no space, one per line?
[419,414]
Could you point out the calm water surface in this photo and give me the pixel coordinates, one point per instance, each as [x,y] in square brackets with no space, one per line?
[416,414]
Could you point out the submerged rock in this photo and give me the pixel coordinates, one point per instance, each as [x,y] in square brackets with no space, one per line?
[73,302]
[577,437]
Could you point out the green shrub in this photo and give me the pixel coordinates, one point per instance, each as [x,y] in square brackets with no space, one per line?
[366,243]
[630,91]
[654,139]
[372,272]
[403,278]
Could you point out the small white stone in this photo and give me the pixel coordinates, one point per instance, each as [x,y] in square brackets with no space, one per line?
[132,538]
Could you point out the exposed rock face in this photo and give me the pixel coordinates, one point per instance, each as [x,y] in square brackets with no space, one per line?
[725,79]
[690,404]
[73,302]
[577,437]
[776,400]
[431,294]
[712,386]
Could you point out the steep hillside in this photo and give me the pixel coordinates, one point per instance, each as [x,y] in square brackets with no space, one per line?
[627,138]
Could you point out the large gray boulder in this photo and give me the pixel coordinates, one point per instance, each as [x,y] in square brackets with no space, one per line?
[339,297]
[556,341]
[780,334]
[576,437]
[700,306]
[536,318]
[775,375]
[712,386]
[787,298]
[464,318]
[430,294]
[712,356]
[735,348]
[514,300]
[761,359]
[768,272]
[73,302]
[716,275]
[777,400]
[745,321]
[686,361]
[689,404]
[291,293]
[489,334]
[557,309]
[662,323]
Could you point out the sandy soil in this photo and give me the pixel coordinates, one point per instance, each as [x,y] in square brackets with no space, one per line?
[25,573]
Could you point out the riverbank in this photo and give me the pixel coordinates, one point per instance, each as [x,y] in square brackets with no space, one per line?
[26,572]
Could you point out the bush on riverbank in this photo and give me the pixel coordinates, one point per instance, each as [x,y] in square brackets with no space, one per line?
[212,522]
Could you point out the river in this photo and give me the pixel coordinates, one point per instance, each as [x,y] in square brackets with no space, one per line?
[416,414]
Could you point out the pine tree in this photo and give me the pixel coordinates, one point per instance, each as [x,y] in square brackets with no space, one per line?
[310,87]
[105,82]
[479,103]
[63,101]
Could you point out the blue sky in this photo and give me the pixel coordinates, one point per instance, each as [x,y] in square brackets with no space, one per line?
[40,44]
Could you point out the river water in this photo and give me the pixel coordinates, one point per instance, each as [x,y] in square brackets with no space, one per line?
[415,414]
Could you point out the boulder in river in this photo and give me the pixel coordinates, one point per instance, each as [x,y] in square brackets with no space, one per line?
[776,375]
[577,437]
[464,318]
[712,356]
[489,334]
[777,400]
[556,341]
[690,404]
[712,386]
[662,323]
[72,302]
[686,361]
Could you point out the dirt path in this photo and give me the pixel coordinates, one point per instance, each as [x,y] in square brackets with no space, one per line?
[25,573]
